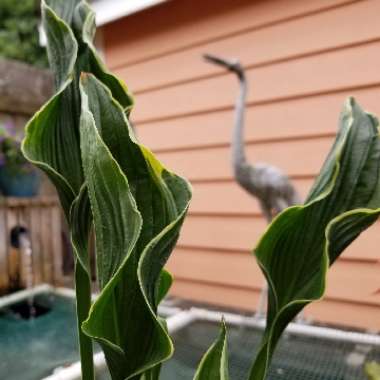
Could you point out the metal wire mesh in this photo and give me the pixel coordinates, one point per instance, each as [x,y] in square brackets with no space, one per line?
[297,358]
[30,349]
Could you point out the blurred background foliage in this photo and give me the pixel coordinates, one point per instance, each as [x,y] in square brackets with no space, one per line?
[19,37]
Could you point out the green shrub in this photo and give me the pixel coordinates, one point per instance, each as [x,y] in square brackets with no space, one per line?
[19,37]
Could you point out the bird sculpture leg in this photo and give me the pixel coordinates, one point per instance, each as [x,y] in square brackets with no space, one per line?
[260,312]
[266,210]
[280,205]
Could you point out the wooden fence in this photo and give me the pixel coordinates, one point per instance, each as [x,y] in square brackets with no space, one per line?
[41,217]
[24,89]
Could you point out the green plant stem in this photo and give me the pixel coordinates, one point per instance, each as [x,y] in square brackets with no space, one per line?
[83,303]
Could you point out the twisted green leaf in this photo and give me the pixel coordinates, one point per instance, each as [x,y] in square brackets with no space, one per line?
[214,364]
[52,143]
[82,139]
[52,136]
[138,209]
[302,242]
[104,177]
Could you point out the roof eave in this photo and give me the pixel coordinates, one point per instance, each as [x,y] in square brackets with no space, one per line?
[108,11]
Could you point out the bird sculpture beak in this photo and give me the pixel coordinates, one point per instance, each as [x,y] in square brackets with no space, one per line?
[230,65]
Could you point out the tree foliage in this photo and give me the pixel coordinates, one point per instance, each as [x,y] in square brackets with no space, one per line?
[19,37]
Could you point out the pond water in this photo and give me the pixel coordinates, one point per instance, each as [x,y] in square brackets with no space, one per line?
[31,348]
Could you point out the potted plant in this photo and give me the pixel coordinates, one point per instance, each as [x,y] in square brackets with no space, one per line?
[18,178]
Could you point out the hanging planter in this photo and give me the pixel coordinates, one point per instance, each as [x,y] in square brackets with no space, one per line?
[17,177]
[19,183]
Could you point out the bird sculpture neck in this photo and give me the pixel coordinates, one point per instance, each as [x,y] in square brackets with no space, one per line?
[239,158]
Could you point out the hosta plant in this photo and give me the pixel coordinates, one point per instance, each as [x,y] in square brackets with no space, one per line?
[303,241]
[11,156]
[372,370]
[109,183]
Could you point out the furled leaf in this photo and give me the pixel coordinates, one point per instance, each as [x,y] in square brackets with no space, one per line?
[82,139]
[373,371]
[80,226]
[138,209]
[52,136]
[214,364]
[83,304]
[154,372]
[52,139]
[164,284]
[301,243]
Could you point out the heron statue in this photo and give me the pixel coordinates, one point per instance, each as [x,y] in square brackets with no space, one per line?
[271,187]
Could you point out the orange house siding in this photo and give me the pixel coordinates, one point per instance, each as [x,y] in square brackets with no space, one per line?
[302,59]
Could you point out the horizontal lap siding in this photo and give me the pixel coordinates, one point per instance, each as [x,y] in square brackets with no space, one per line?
[340,70]
[296,118]
[214,163]
[175,26]
[237,232]
[302,59]
[239,269]
[330,34]
[332,311]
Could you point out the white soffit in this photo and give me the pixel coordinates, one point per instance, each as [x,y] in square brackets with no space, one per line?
[111,10]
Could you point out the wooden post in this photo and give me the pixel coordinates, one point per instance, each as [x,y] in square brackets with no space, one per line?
[4,277]
[35,227]
[56,245]
[41,216]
